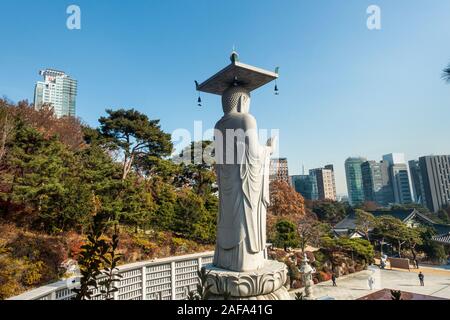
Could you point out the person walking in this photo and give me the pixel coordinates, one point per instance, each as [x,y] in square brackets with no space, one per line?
[421,279]
[371,282]
[333,278]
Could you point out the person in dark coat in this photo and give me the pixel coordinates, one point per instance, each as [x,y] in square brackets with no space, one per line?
[333,278]
[421,279]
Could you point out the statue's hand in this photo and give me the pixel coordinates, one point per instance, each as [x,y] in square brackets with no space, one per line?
[272,143]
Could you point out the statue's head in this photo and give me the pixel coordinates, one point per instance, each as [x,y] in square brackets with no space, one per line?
[236,99]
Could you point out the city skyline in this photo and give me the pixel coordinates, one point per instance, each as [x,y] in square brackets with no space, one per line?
[369,110]
[342,182]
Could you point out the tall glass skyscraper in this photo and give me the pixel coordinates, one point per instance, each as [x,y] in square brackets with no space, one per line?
[377,183]
[400,177]
[306,185]
[57,90]
[417,182]
[355,184]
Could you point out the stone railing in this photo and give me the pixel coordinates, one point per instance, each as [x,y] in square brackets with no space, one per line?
[164,279]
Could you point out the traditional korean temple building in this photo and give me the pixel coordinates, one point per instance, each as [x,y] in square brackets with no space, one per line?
[411,217]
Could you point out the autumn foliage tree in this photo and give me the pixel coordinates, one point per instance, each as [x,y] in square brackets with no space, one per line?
[68,130]
[285,205]
[285,201]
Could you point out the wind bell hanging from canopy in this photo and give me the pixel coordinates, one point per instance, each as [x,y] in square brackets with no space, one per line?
[199,101]
[235,74]
[277,92]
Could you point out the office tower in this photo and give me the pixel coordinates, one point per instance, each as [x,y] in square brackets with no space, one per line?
[326,184]
[435,172]
[279,170]
[400,179]
[376,182]
[417,182]
[354,180]
[57,90]
[306,185]
[394,158]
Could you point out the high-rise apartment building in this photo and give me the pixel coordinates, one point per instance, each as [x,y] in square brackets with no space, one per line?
[326,184]
[400,178]
[57,90]
[377,183]
[435,175]
[279,170]
[353,175]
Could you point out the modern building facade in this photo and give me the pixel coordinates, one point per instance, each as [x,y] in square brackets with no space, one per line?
[306,185]
[400,178]
[326,183]
[57,90]
[353,175]
[377,183]
[417,182]
[279,170]
[435,177]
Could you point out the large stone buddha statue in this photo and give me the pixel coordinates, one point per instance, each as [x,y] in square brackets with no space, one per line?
[240,270]
[243,177]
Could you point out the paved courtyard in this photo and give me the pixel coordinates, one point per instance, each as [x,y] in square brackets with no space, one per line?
[437,283]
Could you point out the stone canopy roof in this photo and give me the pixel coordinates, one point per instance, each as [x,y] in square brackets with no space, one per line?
[237,73]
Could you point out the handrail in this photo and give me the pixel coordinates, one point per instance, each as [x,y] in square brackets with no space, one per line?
[186,281]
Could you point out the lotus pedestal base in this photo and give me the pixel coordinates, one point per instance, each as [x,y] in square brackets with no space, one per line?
[263,284]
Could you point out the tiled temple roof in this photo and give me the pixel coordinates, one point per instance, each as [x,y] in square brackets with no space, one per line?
[444,238]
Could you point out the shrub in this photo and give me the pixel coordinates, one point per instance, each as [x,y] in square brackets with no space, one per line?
[74,243]
[280,255]
[294,273]
[297,284]
[324,276]
[179,245]
[320,258]
[17,275]
[146,246]
[310,256]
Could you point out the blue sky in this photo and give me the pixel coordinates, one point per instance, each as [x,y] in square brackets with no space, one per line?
[345,90]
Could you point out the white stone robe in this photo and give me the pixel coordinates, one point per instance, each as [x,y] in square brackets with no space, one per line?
[244,197]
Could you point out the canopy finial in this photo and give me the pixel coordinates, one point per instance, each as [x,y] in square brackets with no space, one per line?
[234,55]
